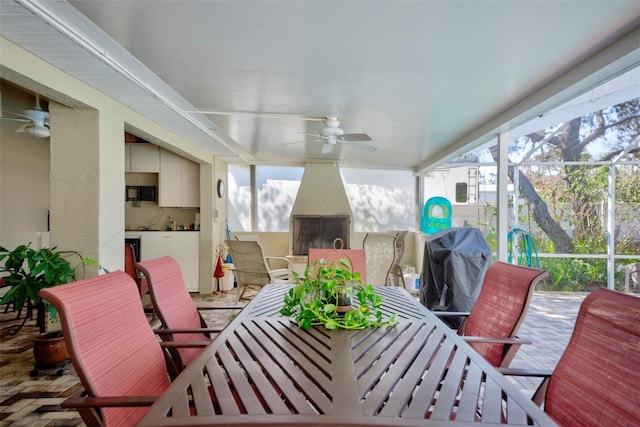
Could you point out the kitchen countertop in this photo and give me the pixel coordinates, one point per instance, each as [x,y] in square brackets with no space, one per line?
[166,231]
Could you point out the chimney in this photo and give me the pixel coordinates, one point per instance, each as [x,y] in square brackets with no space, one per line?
[321,194]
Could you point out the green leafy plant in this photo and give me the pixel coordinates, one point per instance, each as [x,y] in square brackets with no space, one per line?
[323,296]
[31,270]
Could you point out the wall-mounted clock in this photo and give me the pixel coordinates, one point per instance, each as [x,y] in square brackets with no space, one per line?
[220,188]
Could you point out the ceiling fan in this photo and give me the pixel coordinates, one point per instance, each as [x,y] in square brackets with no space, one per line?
[36,121]
[331,135]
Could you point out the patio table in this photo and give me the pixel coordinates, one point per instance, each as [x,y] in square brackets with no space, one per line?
[264,369]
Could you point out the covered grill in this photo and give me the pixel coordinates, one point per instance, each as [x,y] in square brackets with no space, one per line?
[455,262]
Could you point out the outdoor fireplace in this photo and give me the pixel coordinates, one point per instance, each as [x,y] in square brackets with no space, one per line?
[319,231]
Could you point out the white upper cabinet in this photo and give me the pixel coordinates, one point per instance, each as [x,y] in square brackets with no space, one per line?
[190,183]
[142,158]
[179,181]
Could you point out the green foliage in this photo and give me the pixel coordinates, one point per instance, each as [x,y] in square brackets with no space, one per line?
[628,184]
[575,274]
[324,290]
[31,270]
[578,275]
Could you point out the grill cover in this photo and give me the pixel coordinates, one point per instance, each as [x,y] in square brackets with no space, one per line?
[453,269]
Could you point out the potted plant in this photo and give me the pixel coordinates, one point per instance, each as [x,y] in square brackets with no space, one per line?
[324,296]
[30,270]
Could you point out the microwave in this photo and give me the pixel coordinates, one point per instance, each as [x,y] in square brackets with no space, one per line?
[141,193]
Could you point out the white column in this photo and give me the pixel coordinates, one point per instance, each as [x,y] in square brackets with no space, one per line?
[87,184]
[611,228]
[502,202]
[207,227]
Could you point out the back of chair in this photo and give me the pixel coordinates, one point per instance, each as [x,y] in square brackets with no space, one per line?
[500,308]
[634,272]
[355,258]
[596,381]
[396,275]
[130,268]
[130,261]
[110,342]
[248,262]
[380,252]
[172,302]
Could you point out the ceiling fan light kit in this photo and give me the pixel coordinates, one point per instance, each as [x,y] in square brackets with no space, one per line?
[39,131]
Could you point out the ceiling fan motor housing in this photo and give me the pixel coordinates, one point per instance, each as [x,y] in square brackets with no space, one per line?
[39,127]
[329,132]
[331,129]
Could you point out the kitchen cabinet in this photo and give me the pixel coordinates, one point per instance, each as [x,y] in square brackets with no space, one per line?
[142,158]
[183,246]
[179,181]
[190,183]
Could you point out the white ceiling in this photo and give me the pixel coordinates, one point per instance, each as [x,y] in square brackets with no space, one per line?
[422,78]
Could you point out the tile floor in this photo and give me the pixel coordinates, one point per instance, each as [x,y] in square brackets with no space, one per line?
[34,401]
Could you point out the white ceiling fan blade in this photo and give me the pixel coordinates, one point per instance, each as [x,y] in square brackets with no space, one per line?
[15,119]
[314,136]
[20,118]
[23,128]
[361,146]
[327,148]
[38,129]
[355,137]
[294,142]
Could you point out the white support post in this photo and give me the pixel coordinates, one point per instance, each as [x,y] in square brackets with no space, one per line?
[503,202]
[611,227]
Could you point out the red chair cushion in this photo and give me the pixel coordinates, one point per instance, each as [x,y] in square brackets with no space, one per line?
[355,257]
[173,304]
[500,307]
[110,342]
[597,380]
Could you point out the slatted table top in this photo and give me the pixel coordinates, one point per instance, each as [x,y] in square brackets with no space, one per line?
[264,369]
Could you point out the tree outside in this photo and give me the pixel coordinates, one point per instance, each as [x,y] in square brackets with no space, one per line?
[563,175]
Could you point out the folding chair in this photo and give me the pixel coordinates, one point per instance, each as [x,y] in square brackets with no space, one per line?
[492,325]
[380,254]
[595,382]
[252,269]
[178,314]
[130,268]
[112,347]
[356,258]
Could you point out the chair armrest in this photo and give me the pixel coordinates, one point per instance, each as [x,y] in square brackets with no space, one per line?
[222,307]
[279,258]
[492,340]
[108,401]
[184,344]
[541,392]
[186,331]
[451,313]
[525,372]
[281,274]
[247,270]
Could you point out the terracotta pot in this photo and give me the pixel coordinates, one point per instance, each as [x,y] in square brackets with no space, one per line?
[49,350]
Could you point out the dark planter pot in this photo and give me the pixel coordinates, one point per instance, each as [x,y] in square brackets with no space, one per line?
[49,351]
[342,299]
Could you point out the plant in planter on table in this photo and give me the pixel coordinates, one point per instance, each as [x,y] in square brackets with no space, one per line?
[324,296]
[30,270]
